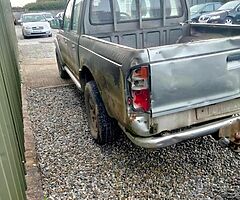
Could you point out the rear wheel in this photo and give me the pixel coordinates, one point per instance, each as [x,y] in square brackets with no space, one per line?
[103,128]
[228,20]
[62,73]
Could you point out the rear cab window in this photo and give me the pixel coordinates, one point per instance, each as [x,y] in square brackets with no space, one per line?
[101,11]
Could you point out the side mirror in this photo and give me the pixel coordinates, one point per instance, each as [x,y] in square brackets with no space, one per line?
[56,24]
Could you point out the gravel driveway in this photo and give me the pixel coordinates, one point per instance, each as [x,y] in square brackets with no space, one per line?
[74,167]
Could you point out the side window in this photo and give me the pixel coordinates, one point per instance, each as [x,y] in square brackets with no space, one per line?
[76,12]
[217,5]
[101,12]
[67,16]
[208,8]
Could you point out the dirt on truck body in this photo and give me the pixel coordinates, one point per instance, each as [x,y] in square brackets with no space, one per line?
[144,67]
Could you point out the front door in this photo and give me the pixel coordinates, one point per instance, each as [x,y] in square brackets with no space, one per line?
[74,33]
[63,37]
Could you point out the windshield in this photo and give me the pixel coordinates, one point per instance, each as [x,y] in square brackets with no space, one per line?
[48,15]
[196,8]
[229,6]
[33,18]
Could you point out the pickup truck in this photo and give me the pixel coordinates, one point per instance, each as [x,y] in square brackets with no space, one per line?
[145,68]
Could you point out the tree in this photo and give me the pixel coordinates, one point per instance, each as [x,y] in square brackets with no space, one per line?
[46,5]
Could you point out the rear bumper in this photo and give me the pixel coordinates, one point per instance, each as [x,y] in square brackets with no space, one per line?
[173,138]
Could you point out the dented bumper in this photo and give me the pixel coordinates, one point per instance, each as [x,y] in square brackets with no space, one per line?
[204,130]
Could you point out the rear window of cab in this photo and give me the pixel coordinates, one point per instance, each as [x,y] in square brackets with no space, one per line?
[101,11]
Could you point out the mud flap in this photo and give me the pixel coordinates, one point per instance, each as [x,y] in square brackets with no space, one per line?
[230,135]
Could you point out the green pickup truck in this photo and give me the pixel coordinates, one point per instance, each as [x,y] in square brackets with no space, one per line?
[145,68]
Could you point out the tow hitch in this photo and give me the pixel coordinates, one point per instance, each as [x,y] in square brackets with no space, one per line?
[230,136]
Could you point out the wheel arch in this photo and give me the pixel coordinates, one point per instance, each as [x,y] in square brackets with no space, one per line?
[86,75]
[229,17]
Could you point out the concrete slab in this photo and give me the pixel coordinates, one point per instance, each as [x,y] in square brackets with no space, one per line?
[43,72]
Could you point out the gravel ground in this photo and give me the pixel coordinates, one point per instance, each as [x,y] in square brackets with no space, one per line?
[74,167]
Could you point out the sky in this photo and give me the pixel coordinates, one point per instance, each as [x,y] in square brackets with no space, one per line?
[20,3]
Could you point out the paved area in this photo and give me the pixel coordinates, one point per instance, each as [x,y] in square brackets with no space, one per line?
[38,63]
[38,70]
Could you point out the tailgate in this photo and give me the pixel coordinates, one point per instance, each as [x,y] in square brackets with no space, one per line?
[192,75]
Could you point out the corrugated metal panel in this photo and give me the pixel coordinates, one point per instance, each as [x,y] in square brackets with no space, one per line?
[12,173]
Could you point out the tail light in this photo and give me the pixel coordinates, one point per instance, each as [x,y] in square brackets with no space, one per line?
[139,89]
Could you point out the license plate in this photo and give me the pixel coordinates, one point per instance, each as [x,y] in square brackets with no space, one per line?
[37,31]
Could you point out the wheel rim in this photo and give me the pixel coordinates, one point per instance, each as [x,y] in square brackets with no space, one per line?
[228,21]
[93,119]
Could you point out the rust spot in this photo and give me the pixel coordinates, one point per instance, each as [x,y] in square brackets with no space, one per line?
[132,117]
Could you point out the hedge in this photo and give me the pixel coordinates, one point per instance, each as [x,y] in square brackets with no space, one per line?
[50,5]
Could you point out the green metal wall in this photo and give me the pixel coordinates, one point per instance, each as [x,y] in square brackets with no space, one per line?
[12,173]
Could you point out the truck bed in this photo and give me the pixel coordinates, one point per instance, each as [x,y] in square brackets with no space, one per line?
[162,36]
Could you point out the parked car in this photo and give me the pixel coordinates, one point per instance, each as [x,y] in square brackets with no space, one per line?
[160,82]
[197,10]
[48,16]
[35,24]
[229,13]
[17,17]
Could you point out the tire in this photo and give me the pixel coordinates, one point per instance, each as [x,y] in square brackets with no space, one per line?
[62,73]
[228,20]
[103,128]
[25,37]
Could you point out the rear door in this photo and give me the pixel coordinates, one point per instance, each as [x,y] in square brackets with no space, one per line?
[75,31]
